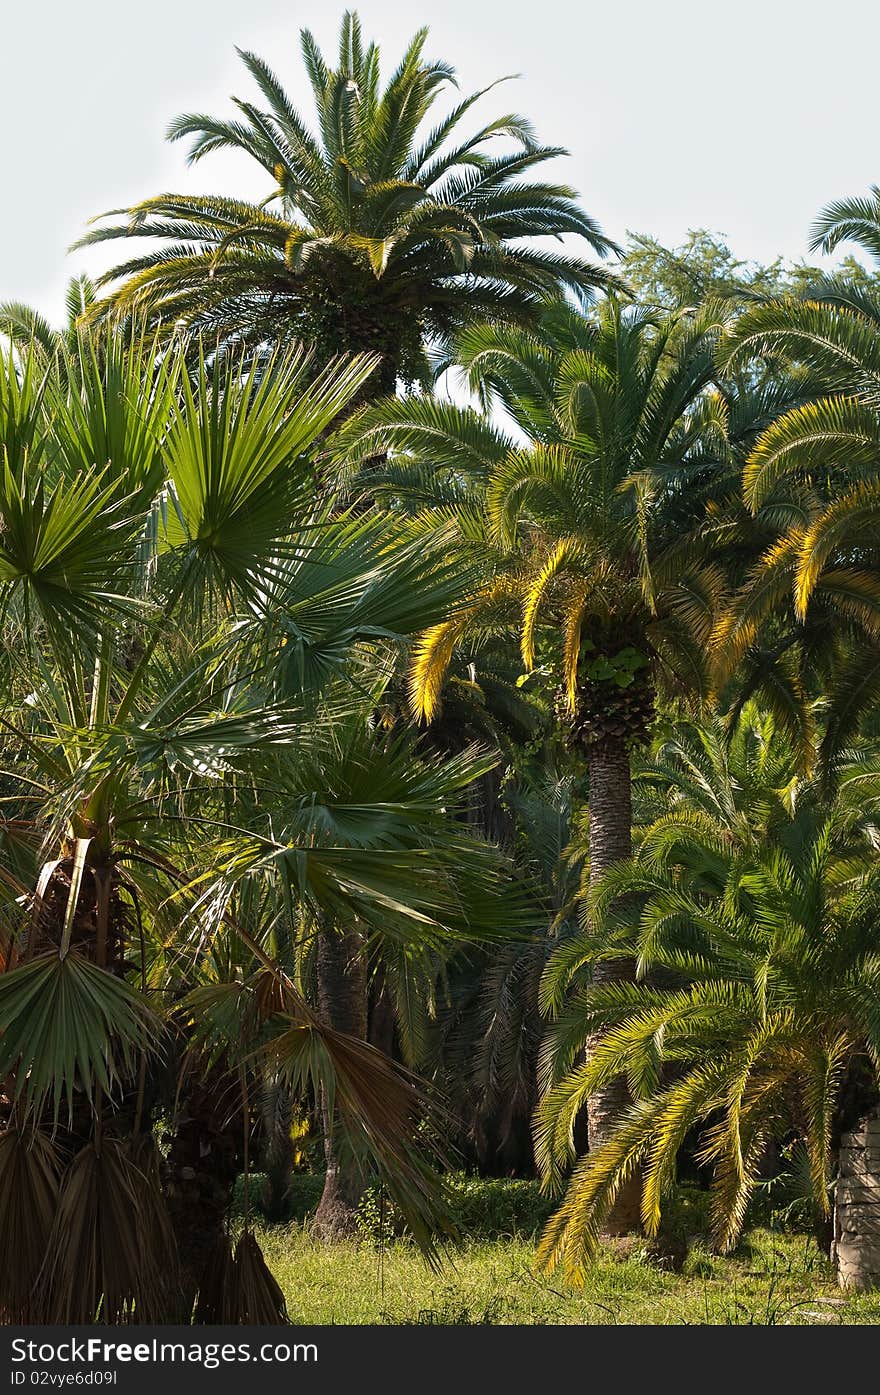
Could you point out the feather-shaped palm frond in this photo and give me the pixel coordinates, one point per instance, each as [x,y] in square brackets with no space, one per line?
[378,230]
[749,909]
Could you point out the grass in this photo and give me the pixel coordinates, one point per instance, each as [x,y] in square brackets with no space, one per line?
[775,1278]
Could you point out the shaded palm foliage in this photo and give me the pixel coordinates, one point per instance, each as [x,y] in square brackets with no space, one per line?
[483,1050]
[178,795]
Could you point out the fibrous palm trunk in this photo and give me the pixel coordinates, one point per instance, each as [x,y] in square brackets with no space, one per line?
[203,1161]
[610,807]
[342,1002]
[856,1242]
[853,1235]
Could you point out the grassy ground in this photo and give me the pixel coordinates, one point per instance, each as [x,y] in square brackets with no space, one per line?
[774,1279]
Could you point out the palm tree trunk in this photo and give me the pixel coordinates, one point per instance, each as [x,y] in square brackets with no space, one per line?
[853,1237]
[608,764]
[204,1157]
[342,1001]
[856,1233]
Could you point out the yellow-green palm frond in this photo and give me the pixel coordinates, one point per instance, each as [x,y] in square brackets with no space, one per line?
[684,1104]
[431,659]
[570,1239]
[538,481]
[834,434]
[492,609]
[839,344]
[768,587]
[851,519]
[560,555]
[735,1177]
[682,828]
[572,625]
[696,596]
[752,1111]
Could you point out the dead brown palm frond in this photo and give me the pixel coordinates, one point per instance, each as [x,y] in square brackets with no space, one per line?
[110,1254]
[238,1287]
[253,1295]
[29,1169]
[216,1285]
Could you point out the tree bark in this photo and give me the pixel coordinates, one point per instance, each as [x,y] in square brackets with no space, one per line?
[342,1002]
[204,1156]
[610,807]
[856,1237]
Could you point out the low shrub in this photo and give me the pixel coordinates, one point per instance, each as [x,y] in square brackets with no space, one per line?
[485,1208]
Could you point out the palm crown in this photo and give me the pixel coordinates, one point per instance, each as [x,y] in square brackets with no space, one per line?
[375,234]
[577,521]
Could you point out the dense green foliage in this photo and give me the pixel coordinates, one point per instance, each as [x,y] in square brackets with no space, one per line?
[391,782]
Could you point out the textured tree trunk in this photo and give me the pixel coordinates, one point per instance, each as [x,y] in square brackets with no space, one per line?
[342,1001]
[608,764]
[856,1245]
[203,1160]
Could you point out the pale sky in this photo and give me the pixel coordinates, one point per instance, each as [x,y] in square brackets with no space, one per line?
[742,117]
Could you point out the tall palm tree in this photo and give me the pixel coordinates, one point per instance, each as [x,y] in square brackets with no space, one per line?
[761,1024]
[574,524]
[376,233]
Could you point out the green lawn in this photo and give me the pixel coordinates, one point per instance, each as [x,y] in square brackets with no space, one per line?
[775,1278]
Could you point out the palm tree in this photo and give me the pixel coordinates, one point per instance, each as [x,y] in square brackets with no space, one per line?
[849,220]
[160,666]
[574,522]
[416,884]
[753,1020]
[812,476]
[377,234]
[31,332]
